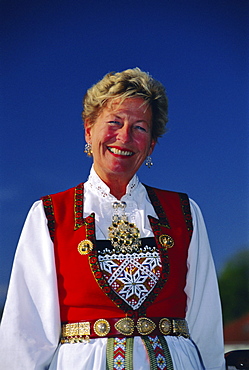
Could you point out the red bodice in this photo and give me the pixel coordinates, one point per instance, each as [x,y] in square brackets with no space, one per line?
[84,294]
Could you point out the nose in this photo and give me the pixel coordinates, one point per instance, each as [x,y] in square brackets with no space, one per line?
[124,134]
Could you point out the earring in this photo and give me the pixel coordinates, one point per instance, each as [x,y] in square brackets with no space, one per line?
[148,162]
[88,150]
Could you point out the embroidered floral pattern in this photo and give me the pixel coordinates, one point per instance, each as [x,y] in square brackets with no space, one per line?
[132,276]
[78,206]
[102,282]
[102,276]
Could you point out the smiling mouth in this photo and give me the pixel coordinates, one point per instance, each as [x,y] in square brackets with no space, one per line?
[120,152]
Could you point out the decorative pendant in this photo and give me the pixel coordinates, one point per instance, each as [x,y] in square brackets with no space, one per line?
[124,235]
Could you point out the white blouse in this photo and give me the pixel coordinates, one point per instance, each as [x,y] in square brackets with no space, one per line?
[30,328]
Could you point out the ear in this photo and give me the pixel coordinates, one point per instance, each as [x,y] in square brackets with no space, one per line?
[88,129]
[152,146]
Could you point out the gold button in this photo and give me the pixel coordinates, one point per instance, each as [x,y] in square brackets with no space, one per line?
[101,327]
[85,247]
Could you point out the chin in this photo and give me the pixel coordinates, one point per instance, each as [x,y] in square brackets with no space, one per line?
[125,170]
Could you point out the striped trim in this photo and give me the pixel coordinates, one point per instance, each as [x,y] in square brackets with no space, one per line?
[158,352]
[119,354]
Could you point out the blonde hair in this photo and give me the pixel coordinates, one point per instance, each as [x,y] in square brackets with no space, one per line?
[130,83]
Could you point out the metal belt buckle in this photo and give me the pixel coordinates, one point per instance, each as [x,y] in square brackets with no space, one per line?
[125,326]
[69,330]
[84,328]
[165,326]
[180,327]
[75,332]
[101,327]
[145,326]
[74,329]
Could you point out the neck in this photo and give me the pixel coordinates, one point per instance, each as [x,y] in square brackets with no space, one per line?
[116,183]
[117,187]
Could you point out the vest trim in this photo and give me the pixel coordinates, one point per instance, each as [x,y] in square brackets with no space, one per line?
[49,212]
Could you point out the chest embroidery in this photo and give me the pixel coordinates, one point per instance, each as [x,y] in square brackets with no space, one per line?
[132,276]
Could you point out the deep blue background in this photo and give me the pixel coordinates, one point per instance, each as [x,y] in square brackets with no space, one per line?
[52,51]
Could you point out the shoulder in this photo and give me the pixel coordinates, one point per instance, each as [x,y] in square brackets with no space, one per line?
[165,193]
[64,194]
[175,204]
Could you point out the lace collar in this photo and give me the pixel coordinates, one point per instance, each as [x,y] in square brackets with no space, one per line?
[95,183]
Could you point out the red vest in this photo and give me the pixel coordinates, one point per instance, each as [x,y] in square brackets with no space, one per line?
[84,294]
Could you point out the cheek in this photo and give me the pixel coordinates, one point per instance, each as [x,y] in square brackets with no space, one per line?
[106,135]
[144,145]
[102,137]
[109,135]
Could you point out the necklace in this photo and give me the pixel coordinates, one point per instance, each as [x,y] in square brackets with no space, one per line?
[124,235]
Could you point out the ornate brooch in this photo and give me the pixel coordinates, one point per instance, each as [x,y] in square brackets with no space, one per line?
[166,241]
[124,235]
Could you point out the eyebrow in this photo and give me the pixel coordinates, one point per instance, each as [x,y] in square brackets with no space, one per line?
[119,117]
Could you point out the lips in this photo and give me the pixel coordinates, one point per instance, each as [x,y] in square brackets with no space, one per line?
[117,151]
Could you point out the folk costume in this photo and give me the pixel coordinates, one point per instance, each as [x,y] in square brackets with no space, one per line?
[153,304]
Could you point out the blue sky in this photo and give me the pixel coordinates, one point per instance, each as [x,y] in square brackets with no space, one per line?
[52,51]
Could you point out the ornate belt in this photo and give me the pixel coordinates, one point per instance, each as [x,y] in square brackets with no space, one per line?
[123,327]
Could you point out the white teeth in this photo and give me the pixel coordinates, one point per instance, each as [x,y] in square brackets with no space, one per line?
[120,152]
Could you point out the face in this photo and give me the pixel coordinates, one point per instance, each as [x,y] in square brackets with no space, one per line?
[121,139]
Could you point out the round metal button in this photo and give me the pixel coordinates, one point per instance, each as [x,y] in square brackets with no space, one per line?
[101,327]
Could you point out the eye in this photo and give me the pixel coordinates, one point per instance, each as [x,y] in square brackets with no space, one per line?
[140,128]
[114,123]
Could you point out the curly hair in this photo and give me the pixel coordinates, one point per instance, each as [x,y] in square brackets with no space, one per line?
[130,83]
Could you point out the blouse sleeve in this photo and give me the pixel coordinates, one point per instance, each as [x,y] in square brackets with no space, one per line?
[203,304]
[30,328]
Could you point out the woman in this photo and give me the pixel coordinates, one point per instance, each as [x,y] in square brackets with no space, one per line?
[118,273]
